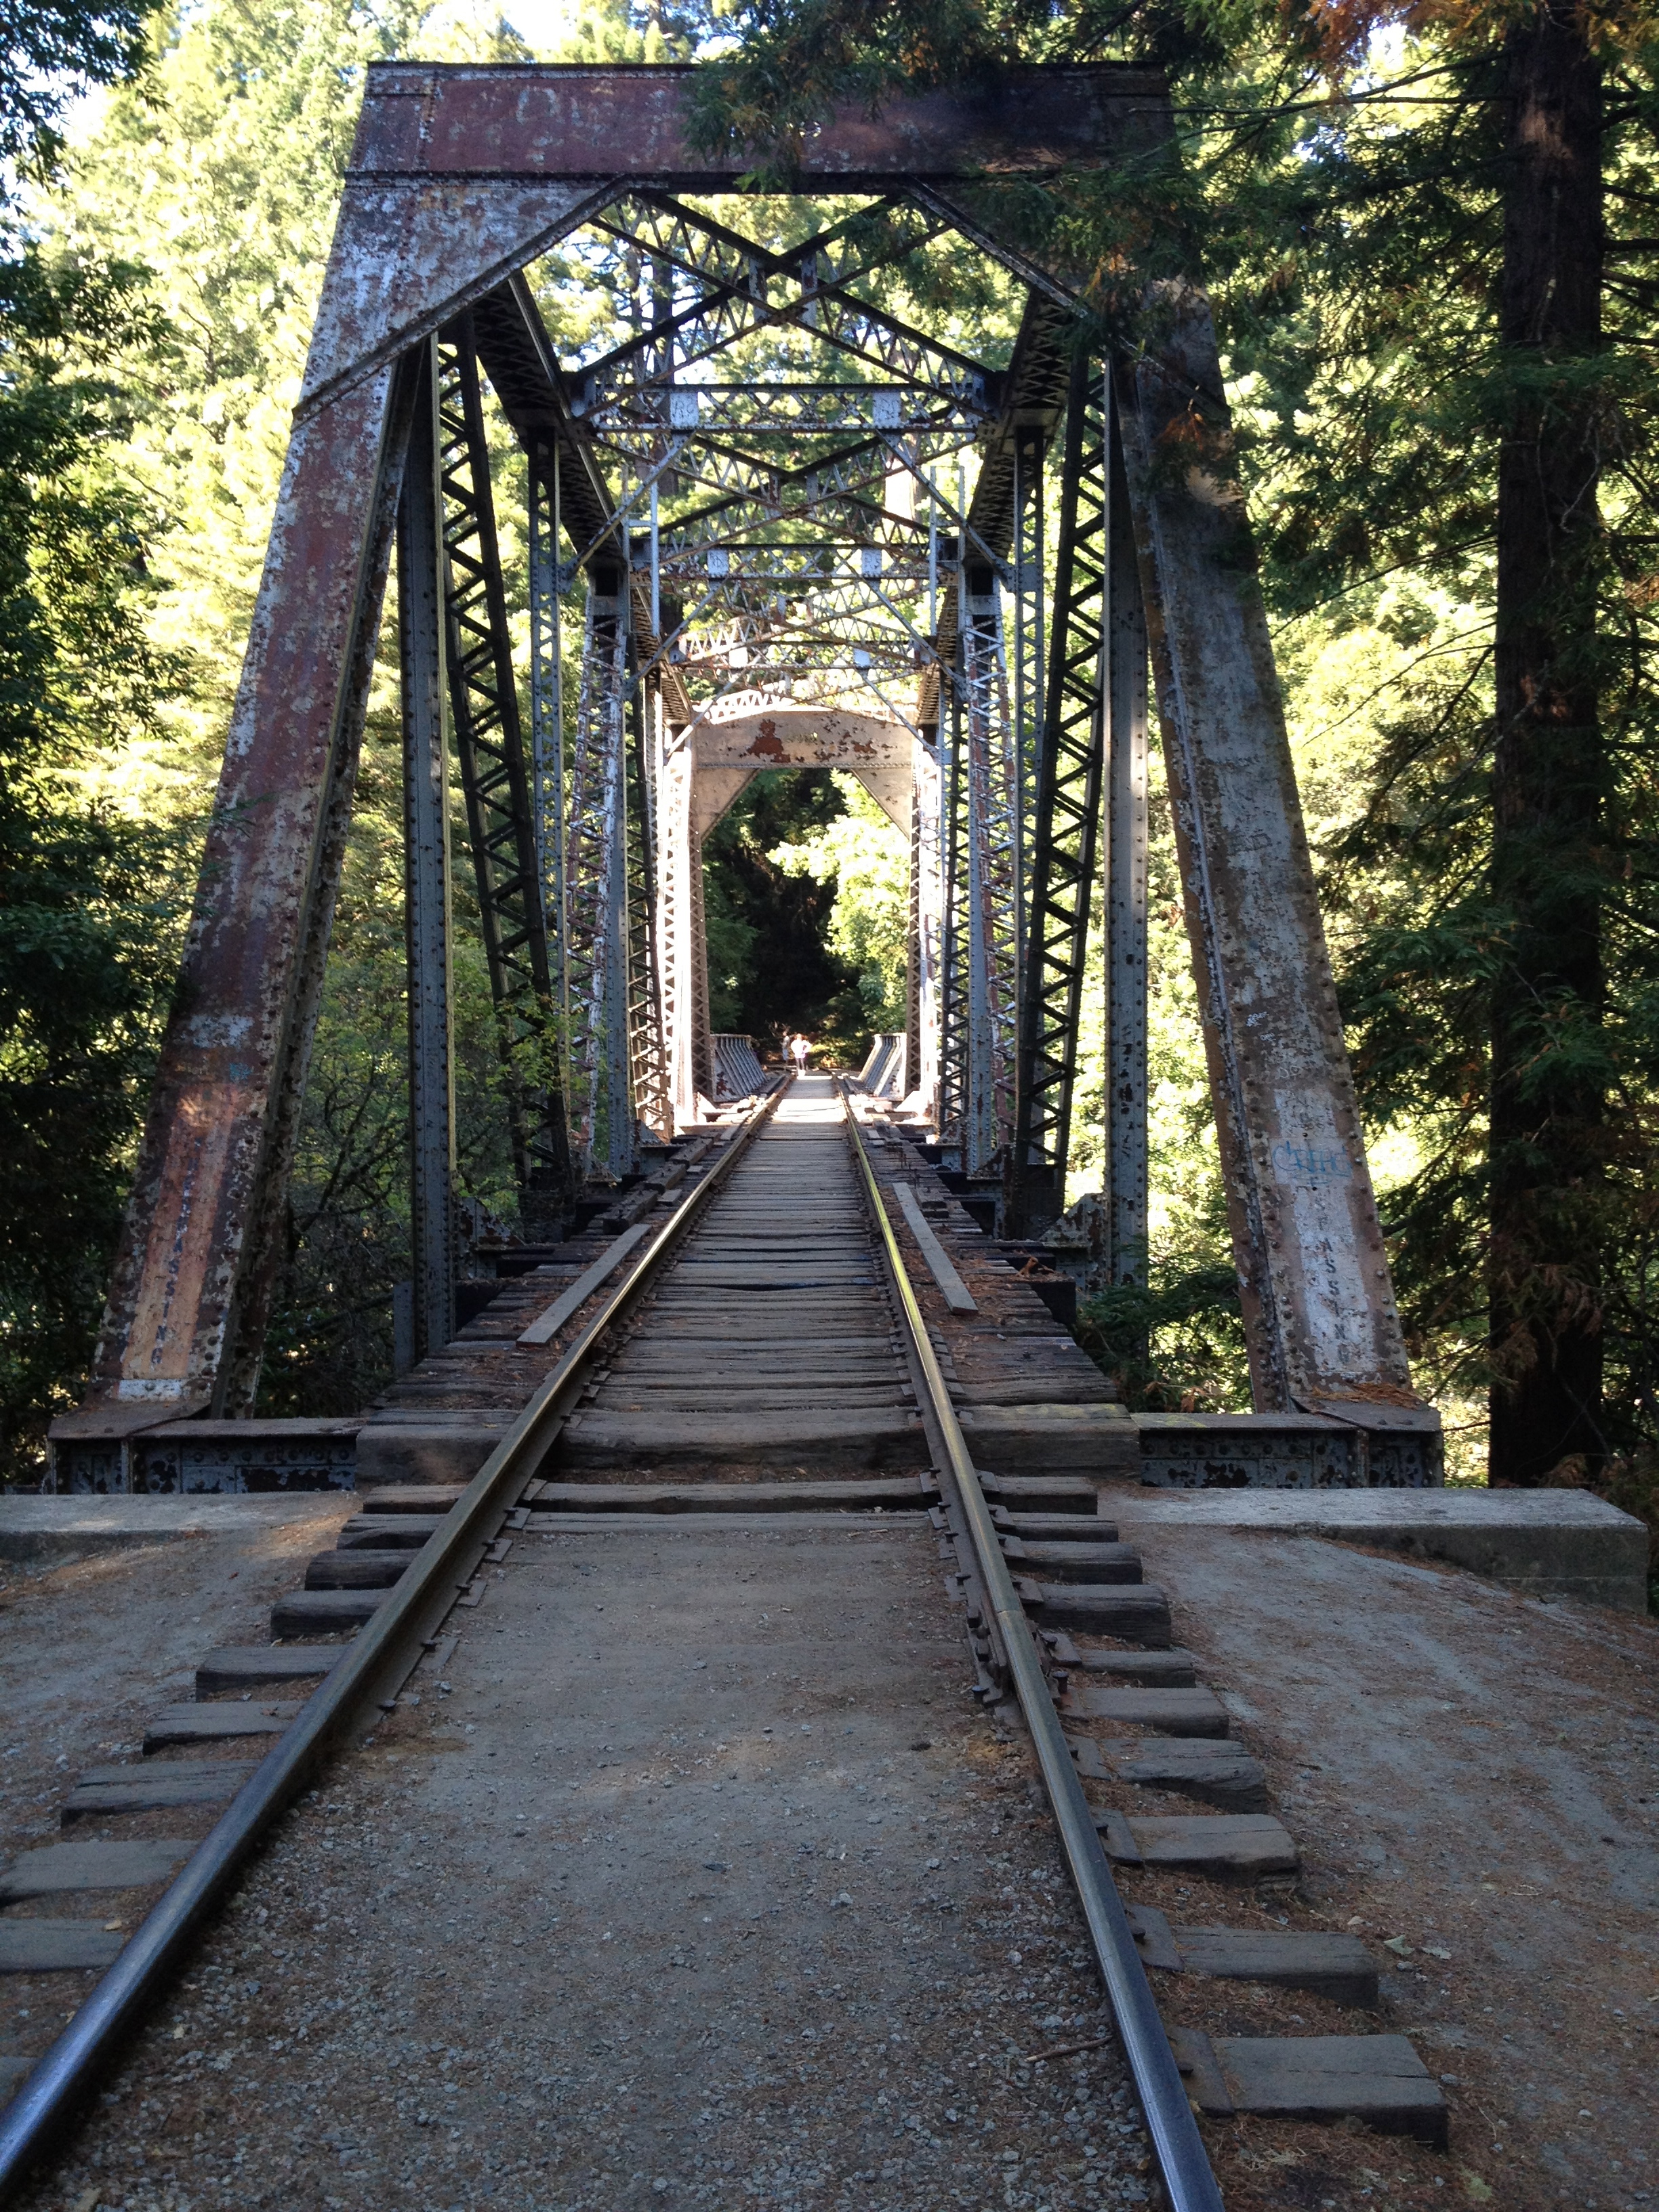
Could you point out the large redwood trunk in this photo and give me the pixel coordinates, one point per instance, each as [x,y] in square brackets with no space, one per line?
[1550,773]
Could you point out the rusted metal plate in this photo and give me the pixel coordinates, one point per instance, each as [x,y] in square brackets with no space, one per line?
[544,120]
[1319,1310]
[229,1042]
[411,255]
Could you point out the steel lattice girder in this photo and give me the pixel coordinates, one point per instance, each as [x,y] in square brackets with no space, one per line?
[459,178]
[1067,813]
[496,786]
[597,887]
[420,583]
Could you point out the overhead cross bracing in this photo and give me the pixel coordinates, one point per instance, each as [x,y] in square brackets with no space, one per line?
[797,475]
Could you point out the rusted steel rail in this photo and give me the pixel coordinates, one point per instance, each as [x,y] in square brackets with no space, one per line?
[1182,2163]
[371,1671]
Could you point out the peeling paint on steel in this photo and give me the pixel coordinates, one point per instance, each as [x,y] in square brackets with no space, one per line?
[591,122]
[1319,1316]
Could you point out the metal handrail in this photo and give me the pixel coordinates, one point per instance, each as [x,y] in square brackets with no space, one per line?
[377,1661]
[1177,2146]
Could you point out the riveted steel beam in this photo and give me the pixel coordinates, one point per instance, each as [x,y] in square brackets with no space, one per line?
[1066,820]
[1319,1314]
[466,122]
[426,873]
[495,783]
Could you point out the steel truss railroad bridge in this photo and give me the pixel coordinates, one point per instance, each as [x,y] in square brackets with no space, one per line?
[793,526]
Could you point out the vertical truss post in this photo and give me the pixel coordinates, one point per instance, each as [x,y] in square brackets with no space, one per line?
[679,867]
[595,880]
[1125,880]
[991,779]
[702,1025]
[921,1036]
[1030,446]
[426,879]
[495,782]
[1066,824]
[953,1026]
[547,763]
[647,1058]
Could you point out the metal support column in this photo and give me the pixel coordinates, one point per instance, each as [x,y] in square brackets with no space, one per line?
[1065,825]
[953,1023]
[1126,882]
[648,1056]
[426,880]
[596,879]
[547,762]
[992,964]
[496,781]
[921,1058]
[1030,448]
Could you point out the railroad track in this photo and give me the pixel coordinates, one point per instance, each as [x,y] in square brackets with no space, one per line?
[780,1342]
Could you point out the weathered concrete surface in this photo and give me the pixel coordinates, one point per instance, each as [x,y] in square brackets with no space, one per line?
[1471,1776]
[1563,1543]
[707,1886]
[64,1529]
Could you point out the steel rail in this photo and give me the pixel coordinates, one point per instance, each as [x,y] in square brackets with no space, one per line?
[371,1670]
[1182,2162]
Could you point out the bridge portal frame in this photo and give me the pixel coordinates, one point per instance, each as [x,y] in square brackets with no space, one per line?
[460,177]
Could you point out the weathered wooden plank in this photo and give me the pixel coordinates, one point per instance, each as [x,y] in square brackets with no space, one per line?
[389,1531]
[1137,1610]
[1378,2079]
[1218,1774]
[66,1869]
[549,1499]
[814,1438]
[253,1667]
[1093,1563]
[317,1612]
[1334,1966]
[547,1325]
[208,1724]
[57,1947]
[1242,1846]
[1092,1439]
[358,1569]
[957,1295]
[1174,1712]
[160,1789]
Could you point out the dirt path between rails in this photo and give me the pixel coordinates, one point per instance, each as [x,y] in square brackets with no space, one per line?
[703,1883]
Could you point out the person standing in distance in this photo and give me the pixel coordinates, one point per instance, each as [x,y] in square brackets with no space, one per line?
[801,1046]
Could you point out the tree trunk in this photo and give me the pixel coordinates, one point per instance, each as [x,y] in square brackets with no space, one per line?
[1550,772]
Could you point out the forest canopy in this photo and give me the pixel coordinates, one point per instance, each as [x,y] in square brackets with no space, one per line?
[1438,344]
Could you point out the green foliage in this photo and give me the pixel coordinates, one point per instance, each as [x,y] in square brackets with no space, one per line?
[87,884]
[771,965]
[1175,1347]
[867,859]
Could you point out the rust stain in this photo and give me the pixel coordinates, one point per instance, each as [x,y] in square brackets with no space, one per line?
[766,744]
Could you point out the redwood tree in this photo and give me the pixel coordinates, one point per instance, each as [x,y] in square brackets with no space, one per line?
[1550,772]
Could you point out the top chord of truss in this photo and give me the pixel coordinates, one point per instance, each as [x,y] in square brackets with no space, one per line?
[617,121]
